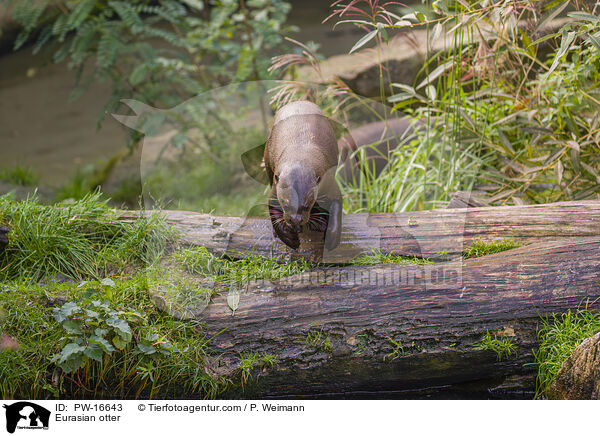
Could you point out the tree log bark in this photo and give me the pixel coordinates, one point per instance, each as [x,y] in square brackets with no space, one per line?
[406,328]
[429,234]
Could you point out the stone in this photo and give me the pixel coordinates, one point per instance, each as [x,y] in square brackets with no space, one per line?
[579,376]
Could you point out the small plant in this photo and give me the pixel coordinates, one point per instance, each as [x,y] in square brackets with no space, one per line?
[482,248]
[363,343]
[396,352]
[247,362]
[19,175]
[500,345]
[317,341]
[268,360]
[250,361]
[92,328]
[165,356]
[442,254]
[377,257]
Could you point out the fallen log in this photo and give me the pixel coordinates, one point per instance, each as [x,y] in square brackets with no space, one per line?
[406,327]
[426,234]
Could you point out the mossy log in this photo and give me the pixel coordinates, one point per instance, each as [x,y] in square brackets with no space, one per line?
[412,329]
[433,233]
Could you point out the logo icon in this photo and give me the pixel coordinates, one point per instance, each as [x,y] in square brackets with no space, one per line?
[26,415]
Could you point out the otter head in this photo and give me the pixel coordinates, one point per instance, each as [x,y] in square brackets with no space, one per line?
[297,188]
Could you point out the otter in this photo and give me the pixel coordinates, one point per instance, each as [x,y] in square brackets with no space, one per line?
[301,156]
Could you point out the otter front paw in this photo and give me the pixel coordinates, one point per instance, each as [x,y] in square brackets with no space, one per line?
[287,235]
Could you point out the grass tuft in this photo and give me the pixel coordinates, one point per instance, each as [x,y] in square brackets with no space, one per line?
[559,336]
[502,346]
[77,239]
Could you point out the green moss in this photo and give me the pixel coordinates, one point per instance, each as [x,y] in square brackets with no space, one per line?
[377,257]
[226,273]
[482,248]
[558,336]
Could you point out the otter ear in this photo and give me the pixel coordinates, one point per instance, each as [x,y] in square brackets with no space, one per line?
[253,164]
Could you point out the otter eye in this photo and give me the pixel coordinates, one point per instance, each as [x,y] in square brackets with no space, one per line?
[276,178]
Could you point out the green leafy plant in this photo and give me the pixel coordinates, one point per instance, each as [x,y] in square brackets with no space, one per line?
[165,357]
[201,44]
[93,329]
[532,122]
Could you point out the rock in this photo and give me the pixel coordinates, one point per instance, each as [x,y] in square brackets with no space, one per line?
[579,376]
[403,58]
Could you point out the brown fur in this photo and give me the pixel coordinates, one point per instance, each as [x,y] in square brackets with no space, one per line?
[301,157]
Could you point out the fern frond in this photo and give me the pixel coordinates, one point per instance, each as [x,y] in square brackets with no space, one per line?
[80,46]
[80,13]
[43,37]
[170,37]
[27,13]
[61,27]
[128,14]
[107,49]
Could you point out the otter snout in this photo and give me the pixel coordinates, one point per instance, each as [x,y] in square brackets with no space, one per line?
[296,220]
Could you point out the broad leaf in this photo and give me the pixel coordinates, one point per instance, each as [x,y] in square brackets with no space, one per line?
[362,41]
